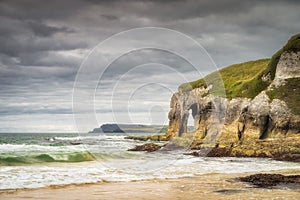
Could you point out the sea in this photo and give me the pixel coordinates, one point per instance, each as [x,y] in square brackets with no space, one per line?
[33,160]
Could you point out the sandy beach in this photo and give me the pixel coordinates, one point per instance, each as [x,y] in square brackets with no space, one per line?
[209,186]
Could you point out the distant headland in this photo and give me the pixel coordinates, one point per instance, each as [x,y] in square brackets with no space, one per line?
[130,128]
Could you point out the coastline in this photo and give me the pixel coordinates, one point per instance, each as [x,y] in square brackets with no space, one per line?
[207,186]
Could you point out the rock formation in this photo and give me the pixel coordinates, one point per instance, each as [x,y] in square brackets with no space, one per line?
[245,110]
[270,180]
[149,147]
[270,114]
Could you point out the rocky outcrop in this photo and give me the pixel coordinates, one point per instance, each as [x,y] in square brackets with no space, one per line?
[149,147]
[257,118]
[283,149]
[287,67]
[235,121]
[270,180]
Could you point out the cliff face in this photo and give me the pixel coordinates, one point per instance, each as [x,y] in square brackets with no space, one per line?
[273,113]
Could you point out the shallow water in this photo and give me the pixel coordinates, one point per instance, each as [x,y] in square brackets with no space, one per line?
[38,160]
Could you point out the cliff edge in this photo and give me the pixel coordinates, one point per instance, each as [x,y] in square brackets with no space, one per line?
[261,104]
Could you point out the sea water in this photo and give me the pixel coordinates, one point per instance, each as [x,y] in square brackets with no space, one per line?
[39,160]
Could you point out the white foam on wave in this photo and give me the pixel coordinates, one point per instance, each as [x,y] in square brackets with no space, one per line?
[95,137]
[41,176]
[6,148]
[118,164]
[129,170]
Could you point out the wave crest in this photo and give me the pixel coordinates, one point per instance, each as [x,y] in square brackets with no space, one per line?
[43,158]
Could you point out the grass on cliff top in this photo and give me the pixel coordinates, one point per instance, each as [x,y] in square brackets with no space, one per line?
[289,93]
[245,79]
[237,79]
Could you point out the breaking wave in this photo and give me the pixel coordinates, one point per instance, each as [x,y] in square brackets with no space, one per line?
[43,158]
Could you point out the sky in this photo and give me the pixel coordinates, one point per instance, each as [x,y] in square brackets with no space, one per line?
[50,50]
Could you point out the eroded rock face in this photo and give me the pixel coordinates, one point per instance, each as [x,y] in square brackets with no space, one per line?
[259,118]
[287,67]
[240,118]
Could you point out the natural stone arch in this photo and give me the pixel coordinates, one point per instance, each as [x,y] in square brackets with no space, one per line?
[185,117]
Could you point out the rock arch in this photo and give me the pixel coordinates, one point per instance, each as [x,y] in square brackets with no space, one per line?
[194,107]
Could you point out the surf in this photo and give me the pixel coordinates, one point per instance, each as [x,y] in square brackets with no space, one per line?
[46,158]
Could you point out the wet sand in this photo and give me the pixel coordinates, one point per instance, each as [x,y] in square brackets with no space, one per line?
[209,186]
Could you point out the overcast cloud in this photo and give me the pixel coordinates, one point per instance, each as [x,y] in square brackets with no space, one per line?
[43,43]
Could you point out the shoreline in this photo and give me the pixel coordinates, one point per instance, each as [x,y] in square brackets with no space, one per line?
[287,149]
[280,149]
[213,186]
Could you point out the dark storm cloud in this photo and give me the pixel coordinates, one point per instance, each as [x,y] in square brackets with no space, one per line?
[109,17]
[46,58]
[26,27]
[20,42]
[135,59]
[172,10]
[43,30]
[35,9]
[26,21]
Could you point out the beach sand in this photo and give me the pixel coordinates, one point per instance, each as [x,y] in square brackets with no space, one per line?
[208,186]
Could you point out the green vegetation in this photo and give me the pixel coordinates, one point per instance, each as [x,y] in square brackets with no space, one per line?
[245,79]
[293,44]
[236,78]
[289,93]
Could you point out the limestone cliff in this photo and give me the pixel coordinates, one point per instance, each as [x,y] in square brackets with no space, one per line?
[272,113]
